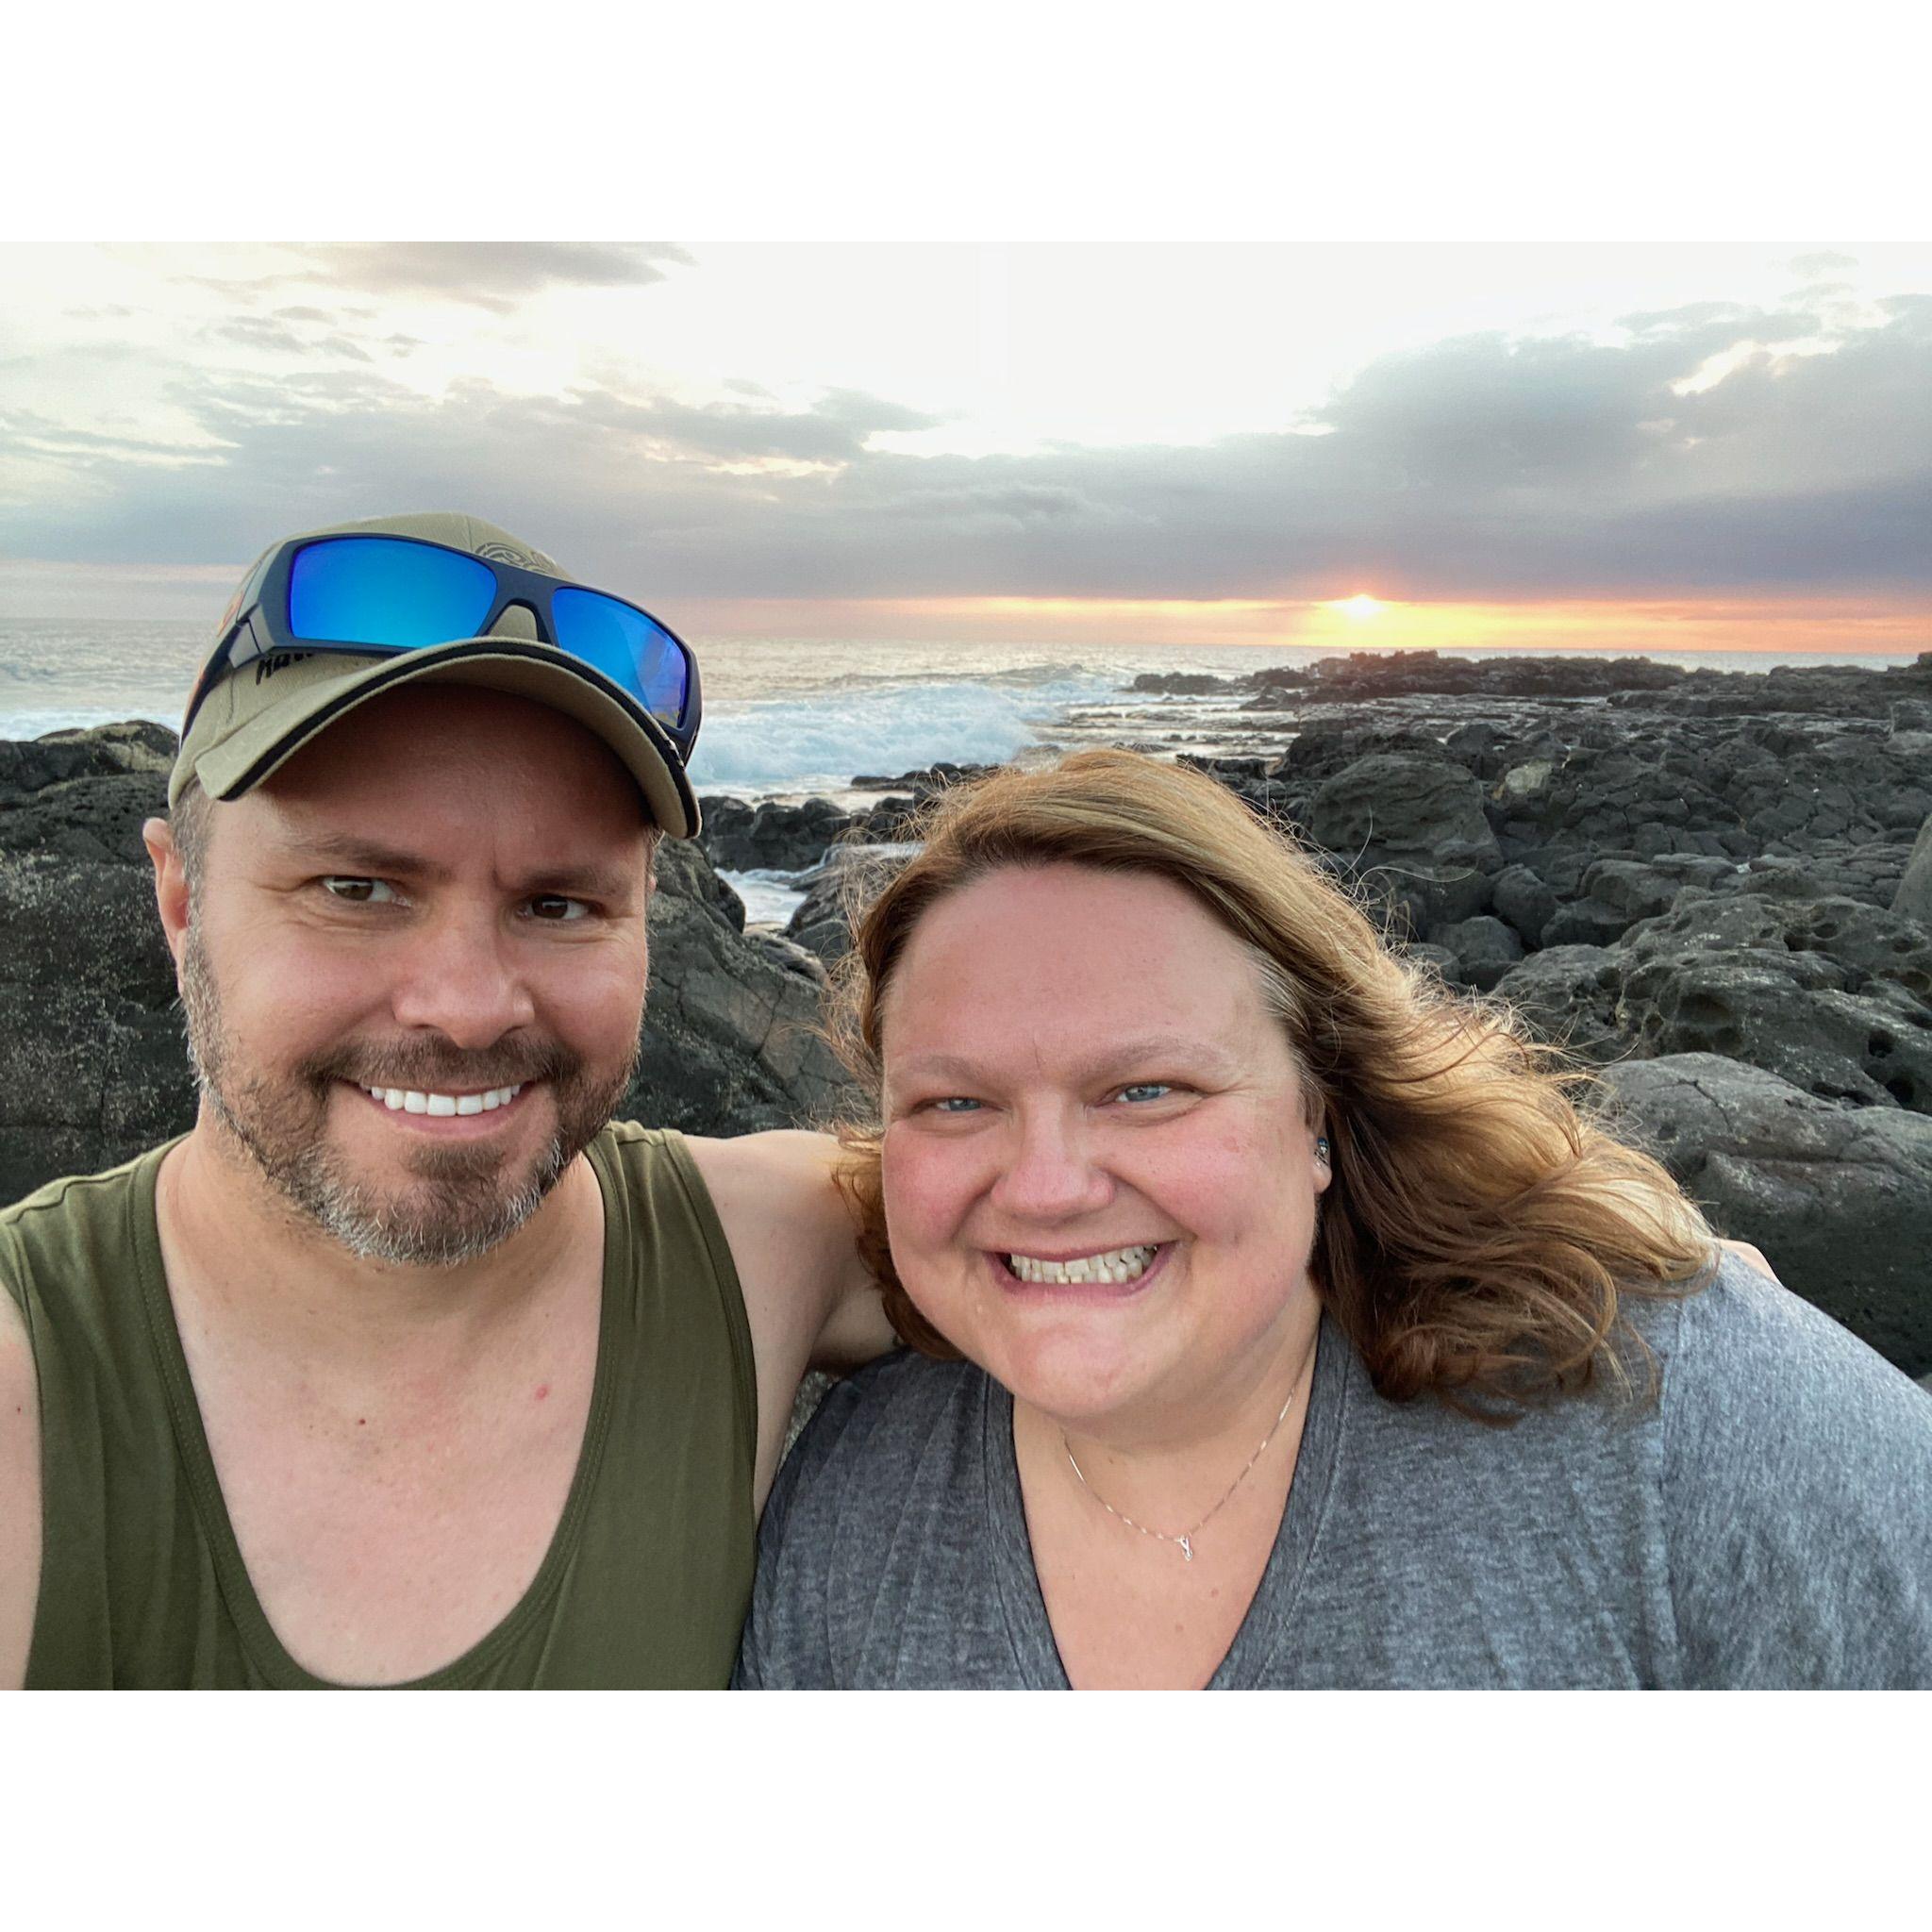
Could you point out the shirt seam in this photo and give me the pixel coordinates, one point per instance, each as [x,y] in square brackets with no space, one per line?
[998,1449]
[1666,1414]
[1325,1337]
[729,1290]
[13,1255]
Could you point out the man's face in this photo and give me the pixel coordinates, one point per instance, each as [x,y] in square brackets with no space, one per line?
[415,971]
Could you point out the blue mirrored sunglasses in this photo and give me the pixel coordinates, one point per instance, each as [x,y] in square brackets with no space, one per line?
[376,596]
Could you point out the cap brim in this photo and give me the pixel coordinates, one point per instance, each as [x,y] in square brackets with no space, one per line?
[249,754]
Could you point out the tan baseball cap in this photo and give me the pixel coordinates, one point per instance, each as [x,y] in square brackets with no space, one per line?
[261,715]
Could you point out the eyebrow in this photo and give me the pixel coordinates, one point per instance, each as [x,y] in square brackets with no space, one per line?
[583,882]
[1183,1051]
[365,857]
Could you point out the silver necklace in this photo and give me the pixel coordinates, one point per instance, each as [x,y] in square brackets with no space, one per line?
[1186,1539]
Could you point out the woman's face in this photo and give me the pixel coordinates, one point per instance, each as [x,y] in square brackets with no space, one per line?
[1079,1064]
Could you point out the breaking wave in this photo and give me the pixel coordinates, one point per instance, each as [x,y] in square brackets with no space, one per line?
[823,742]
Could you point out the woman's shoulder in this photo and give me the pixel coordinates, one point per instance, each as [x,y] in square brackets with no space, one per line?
[1745,1353]
[1797,1490]
[875,1427]
[900,1389]
[865,1523]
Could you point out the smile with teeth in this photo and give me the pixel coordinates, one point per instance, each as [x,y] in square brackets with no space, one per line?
[1115,1265]
[408,1100]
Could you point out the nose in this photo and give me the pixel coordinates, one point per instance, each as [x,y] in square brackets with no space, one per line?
[1050,1172]
[461,979]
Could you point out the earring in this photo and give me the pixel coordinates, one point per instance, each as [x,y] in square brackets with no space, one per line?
[1322,1149]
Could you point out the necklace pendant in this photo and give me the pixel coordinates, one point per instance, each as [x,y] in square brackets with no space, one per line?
[1187,1548]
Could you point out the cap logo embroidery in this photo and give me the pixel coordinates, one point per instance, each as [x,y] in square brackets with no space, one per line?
[524,560]
[266,668]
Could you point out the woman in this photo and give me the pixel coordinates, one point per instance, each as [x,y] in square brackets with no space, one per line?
[1281,1321]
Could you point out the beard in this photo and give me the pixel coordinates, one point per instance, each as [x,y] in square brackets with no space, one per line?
[458,1202]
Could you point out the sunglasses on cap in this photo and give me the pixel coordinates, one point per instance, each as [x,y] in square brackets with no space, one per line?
[377,596]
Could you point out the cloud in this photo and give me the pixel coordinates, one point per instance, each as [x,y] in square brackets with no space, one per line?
[495,276]
[31,435]
[1824,264]
[864,414]
[1485,466]
[833,432]
[266,333]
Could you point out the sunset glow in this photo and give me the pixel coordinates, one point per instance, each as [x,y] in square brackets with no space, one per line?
[1509,445]
[1755,625]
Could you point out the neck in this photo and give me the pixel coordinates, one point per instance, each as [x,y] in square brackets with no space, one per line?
[1164,1451]
[248,1261]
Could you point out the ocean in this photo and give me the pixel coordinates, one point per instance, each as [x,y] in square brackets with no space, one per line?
[783,719]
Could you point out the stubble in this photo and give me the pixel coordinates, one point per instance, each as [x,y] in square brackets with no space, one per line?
[451,1202]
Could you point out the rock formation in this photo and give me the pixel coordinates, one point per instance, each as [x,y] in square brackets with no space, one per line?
[1716,887]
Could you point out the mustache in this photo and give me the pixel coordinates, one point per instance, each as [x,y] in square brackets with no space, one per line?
[429,1067]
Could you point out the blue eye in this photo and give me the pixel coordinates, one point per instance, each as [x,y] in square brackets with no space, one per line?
[954,1103]
[1142,1090]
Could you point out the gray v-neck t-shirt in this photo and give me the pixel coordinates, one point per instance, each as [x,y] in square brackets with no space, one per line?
[1766,1521]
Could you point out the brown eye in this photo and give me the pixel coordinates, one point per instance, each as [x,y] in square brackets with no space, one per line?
[360,891]
[555,910]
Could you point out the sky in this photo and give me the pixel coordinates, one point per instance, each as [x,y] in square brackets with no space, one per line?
[1668,446]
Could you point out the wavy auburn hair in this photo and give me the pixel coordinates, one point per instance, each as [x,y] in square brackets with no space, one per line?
[1479,1232]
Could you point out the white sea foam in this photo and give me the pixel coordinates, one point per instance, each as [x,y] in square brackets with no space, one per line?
[769,897]
[821,742]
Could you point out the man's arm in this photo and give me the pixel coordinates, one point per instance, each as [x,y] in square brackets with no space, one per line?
[20,1494]
[808,1298]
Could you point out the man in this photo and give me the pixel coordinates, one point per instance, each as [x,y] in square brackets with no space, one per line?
[404,1365]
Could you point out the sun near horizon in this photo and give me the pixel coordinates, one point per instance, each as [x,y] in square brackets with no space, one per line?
[1361,608]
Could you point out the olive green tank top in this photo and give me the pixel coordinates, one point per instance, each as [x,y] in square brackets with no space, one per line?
[646,1580]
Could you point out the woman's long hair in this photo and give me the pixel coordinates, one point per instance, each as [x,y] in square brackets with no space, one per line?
[1479,1232]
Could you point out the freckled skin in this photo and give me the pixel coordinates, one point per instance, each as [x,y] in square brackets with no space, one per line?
[1039,1138]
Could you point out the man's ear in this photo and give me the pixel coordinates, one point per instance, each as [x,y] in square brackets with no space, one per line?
[171,883]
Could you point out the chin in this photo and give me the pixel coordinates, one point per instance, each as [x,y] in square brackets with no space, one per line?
[1069,1375]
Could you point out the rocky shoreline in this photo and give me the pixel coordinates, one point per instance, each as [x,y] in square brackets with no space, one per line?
[1717,885]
